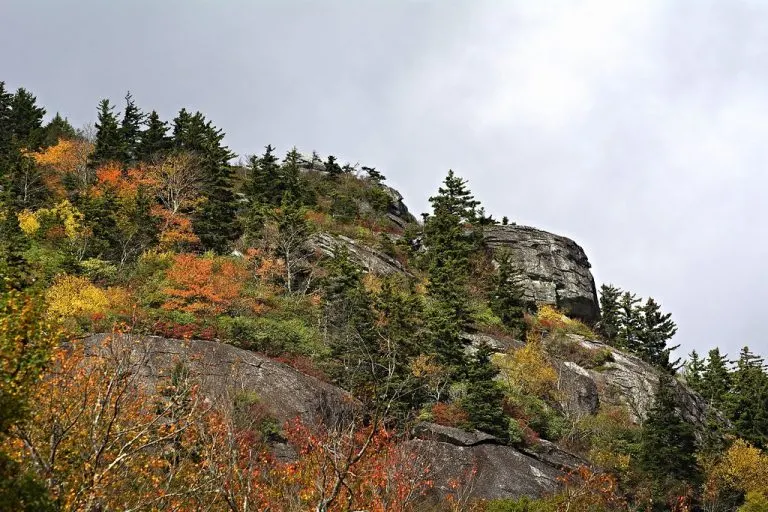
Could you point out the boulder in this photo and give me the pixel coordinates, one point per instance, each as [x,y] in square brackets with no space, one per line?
[555,270]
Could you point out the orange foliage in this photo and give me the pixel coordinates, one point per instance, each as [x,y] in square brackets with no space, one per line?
[175,229]
[585,489]
[66,157]
[203,285]
[451,415]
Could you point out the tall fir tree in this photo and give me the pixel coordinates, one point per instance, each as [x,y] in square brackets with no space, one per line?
[6,128]
[657,328]
[154,141]
[264,185]
[747,405]
[610,313]
[483,401]
[716,379]
[507,299]
[290,170]
[27,120]
[667,443]
[108,146]
[130,131]
[215,222]
[631,323]
[450,241]
[693,371]
[58,128]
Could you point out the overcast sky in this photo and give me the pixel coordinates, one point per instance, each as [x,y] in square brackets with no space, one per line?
[637,128]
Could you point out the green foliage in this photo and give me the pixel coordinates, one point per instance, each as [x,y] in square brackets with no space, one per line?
[523,504]
[755,502]
[272,334]
[668,445]
[507,299]
[610,313]
[484,395]
[747,405]
[109,144]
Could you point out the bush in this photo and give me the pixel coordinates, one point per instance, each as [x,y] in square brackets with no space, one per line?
[567,349]
[271,335]
[550,319]
[450,415]
[524,504]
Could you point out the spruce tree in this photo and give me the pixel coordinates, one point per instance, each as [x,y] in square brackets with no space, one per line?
[58,128]
[264,185]
[14,270]
[332,167]
[693,371]
[27,120]
[657,328]
[215,222]
[631,323]
[483,401]
[290,171]
[610,313]
[109,145]
[507,300]
[747,405]
[668,444]
[130,131]
[154,140]
[374,175]
[716,379]
[6,128]
[449,245]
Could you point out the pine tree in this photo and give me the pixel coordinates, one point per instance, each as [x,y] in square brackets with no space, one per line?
[610,313]
[374,175]
[657,328]
[716,379]
[747,405]
[449,247]
[483,401]
[109,145]
[27,120]
[58,128]
[130,131]
[14,270]
[154,140]
[215,222]
[668,444]
[693,371]
[332,167]
[290,170]
[507,300]
[264,185]
[630,324]
[6,128]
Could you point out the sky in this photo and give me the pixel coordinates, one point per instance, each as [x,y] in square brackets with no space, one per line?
[637,128]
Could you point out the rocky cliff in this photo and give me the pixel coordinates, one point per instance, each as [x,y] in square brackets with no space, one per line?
[555,269]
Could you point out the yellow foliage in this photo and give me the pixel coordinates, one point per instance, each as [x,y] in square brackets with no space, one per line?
[743,467]
[65,212]
[550,318]
[75,296]
[28,222]
[528,371]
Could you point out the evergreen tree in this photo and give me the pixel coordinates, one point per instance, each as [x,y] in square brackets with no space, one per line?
[6,128]
[716,379]
[264,185]
[14,271]
[58,128]
[290,171]
[109,145]
[631,323]
[668,444]
[154,140]
[332,167]
[747,405]
[130,131]
[507,300]
[215,222]
[483,401]
[610,313]
[449,248]
[657,329]
[694,371]
[374,175]
[27,120]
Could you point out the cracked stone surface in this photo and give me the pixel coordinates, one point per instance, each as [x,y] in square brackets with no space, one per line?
[501,471]
[224,371]
[555,269]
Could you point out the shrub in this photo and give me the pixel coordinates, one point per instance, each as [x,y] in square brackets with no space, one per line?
[524,504]
[550,319]
[450,415]
[567,349]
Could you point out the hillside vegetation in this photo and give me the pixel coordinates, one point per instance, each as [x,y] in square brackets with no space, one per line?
[137,226]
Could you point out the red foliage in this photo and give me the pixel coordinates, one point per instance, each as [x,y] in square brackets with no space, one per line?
[450,415]
[305,365]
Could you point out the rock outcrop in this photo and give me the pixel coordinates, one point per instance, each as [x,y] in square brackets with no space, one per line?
[223,371]
[369,259]
[487,468]
[555,269]
[623,380]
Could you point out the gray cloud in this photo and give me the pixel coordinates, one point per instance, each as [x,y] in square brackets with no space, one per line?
[635,128]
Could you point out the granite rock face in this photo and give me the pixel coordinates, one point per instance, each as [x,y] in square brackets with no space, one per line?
[369,259]
[555,269]
[487,468]
[223,371]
